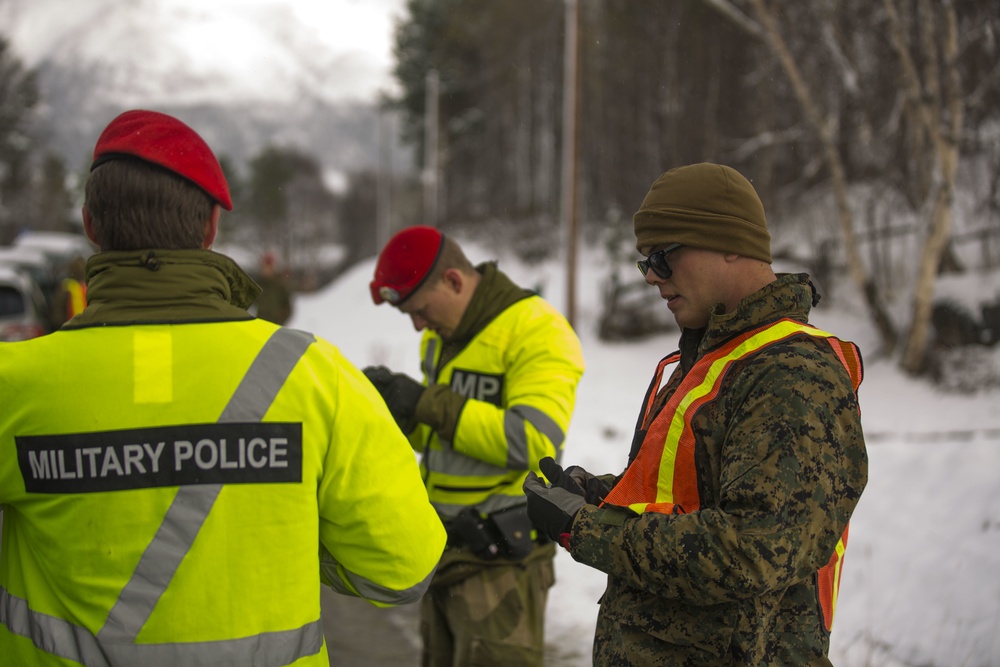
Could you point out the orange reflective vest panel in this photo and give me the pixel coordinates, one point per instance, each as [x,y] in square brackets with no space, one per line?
[663,477]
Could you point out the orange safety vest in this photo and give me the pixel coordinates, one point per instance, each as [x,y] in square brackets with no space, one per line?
[663,478]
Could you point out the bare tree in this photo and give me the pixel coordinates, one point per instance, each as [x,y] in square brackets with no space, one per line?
[825,130]
[797,93]
[18,99]
[936,98]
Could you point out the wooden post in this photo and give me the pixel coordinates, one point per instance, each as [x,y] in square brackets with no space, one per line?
[431,149]
[570,138]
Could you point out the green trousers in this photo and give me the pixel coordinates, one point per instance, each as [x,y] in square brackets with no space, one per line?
[480,613]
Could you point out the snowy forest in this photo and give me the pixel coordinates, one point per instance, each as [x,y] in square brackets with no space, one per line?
[887,109]
[869,128]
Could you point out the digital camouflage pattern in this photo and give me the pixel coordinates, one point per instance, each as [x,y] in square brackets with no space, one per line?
[781,464]
[480,612]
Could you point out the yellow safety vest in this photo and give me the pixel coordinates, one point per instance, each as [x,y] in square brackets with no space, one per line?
[519,375]
[169,490]
[663,477]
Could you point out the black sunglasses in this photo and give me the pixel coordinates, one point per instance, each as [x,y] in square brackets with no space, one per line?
[658,262]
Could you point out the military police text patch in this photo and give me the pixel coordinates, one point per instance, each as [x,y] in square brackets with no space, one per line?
[227,453]
[479,386]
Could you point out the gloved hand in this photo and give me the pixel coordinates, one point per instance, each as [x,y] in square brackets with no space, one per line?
[380,376]
[553,507]
[594,490]
[400,393]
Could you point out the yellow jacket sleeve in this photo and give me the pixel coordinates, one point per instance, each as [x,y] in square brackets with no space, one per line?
[380,537]
[544,363]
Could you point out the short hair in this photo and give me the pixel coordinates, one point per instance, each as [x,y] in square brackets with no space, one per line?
[136,205]
[452,257]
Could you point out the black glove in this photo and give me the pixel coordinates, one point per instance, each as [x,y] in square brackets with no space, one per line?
[380,376]
[594,490]
[553,507]
[400,393]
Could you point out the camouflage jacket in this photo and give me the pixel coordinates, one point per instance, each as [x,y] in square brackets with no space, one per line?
[781,464]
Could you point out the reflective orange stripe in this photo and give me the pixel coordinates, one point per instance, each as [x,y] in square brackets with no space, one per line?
[828,576]
[828,581]
[663,474]
[663,477]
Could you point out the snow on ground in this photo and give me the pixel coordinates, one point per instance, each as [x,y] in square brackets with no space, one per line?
[921,582]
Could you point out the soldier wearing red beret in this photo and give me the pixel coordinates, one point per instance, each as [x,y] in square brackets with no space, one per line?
[500,367]
[184,507]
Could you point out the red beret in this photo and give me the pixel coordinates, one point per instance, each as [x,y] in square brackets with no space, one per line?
[404,264]
[167,142]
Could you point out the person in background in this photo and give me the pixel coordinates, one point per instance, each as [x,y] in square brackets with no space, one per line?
[275,301]
[500,370]
[184,507]
[724,537]
[71,297]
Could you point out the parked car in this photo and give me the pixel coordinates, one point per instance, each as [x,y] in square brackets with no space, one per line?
[59,247]
[32,261]
[22,306]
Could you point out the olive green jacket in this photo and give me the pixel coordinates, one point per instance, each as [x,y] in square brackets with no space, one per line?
[781,464]
[144,286]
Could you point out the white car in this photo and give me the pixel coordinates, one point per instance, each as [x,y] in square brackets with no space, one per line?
[32,261]
[22,306]
[59,247]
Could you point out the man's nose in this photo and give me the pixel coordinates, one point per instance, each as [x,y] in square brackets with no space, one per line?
[652,278]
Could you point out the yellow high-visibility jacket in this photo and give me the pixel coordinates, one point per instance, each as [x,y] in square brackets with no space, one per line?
[173,490]
[516,374]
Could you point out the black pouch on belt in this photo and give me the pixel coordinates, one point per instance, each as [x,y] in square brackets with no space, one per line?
[514,528]
[469,529]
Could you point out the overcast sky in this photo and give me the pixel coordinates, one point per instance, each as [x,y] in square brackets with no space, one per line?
[343,46]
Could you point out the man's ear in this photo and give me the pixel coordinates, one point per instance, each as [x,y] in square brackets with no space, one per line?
[212,227]
[454,279]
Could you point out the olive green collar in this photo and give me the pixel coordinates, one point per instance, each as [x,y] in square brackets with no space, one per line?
[164,286]
[791,295]
[494,294]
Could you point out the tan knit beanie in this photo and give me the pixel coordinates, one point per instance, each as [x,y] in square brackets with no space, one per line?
[706,206]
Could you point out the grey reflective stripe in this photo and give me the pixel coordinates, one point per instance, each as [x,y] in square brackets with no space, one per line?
[270,649]
[266,375]
[368,589]
[65,640]
[450,462]
[493,503]
[52,635]
[173,539]
[517,436]
[428,362]
[159,562]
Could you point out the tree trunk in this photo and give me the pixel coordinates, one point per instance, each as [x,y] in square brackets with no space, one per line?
[945,143]
[831,156]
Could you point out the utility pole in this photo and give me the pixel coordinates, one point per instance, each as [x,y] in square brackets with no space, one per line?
[430,175]
[570,140]
[383,199]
